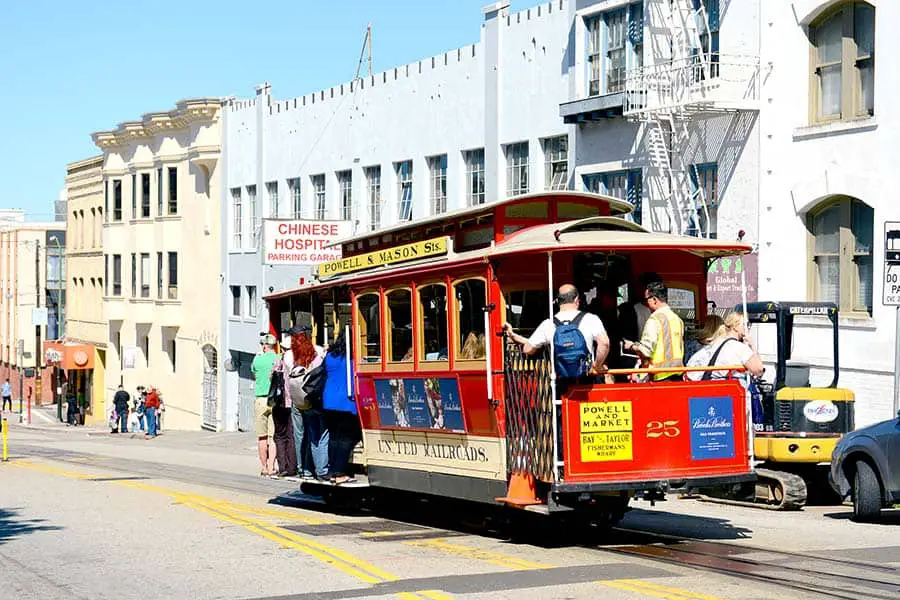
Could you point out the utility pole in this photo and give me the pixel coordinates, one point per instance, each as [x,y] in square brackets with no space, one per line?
[38,353]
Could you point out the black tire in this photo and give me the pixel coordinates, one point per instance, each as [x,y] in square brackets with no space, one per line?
[866,493]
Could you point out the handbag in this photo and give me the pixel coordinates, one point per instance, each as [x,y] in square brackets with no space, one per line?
[276,390]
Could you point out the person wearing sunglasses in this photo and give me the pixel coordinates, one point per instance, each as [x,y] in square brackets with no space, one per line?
[662,340]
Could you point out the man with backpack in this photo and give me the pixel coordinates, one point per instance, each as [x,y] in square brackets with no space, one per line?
[265,428]
[580,342]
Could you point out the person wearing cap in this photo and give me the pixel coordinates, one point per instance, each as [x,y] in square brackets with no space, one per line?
[265,428]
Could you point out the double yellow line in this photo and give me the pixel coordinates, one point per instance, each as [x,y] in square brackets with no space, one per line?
[251,518]
[519,564]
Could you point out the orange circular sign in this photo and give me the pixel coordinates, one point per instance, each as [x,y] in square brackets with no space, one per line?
[80,358]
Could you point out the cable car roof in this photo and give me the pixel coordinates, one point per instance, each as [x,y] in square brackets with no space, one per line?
[617,207]
[593,234]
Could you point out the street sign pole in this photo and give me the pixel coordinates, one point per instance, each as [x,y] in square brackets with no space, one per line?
[891,294]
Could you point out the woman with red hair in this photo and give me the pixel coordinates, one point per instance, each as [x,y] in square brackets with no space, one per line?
[310,437]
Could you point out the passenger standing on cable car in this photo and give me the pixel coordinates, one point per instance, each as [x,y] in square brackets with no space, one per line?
[662,341]
[590,326]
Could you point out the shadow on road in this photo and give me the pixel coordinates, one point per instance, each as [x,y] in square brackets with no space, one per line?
[888,517]
[12,526]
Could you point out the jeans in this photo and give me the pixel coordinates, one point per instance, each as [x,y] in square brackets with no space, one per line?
[141,421]
[315,430]
[7,399]
[123,420]
[344,435]
[150,414]
[301,444]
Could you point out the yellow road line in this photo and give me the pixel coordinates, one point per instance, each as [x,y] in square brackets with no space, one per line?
[494,558]
[236,514]
[518,564]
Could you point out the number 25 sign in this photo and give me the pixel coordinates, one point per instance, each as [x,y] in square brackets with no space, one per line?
[657,429]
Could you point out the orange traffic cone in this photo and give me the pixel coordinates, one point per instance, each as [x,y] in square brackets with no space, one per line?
[521,491]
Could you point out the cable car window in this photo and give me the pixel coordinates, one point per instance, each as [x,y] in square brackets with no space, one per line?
[433,325]
[528,210]
[470,303]
[399,304]
[683,301]
[369,310]
[570,210]
[302,309]
[525,309]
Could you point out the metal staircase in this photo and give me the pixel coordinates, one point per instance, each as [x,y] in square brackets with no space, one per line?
[689,79]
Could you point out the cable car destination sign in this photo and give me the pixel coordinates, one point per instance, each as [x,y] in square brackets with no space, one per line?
[388,256]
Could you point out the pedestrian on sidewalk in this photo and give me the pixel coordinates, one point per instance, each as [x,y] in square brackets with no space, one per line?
[265,428]
[340,410]
[6,392]
[150,406]
[120,401]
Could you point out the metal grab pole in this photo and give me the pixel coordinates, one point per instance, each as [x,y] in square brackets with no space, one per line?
[554,402]
[748,398]
[897,361]
[487,357]
[349,358]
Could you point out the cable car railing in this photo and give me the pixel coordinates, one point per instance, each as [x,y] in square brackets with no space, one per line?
[529,413]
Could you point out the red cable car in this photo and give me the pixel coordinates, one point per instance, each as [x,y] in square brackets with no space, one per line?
[448,407]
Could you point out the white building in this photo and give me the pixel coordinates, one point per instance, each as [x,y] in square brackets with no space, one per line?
[654,101]
[829,172]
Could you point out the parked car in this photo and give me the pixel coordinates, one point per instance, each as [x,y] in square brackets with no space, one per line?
[865,464]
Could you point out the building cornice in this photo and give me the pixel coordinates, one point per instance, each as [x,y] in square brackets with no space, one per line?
[94,162]
[186,112]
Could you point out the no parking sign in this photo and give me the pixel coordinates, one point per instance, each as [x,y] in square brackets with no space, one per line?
[891,296]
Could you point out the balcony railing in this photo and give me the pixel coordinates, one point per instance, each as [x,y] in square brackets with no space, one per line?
[721,82]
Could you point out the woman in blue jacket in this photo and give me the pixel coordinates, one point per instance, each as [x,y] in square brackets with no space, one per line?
[340,410]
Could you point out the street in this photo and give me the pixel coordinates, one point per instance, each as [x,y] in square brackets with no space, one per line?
[91,515]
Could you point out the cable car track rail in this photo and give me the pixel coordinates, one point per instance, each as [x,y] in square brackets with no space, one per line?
[723,558]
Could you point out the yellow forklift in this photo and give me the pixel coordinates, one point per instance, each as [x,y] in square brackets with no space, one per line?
[800,424]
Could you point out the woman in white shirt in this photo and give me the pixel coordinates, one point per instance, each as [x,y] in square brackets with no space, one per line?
[731,346]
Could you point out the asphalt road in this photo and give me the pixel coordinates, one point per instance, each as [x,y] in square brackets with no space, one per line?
[99,517]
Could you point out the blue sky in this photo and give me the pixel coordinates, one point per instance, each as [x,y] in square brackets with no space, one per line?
[71,68]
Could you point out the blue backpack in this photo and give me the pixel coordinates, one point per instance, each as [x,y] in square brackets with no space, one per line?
[570,349]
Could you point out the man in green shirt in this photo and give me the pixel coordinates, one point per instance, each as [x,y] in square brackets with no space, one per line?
[265,427]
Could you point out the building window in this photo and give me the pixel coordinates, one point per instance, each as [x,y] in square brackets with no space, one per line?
[159,192]
[117,199]
[841,231]
[145,275]
[345,188]
[254,214]
[172,356]
[106,197]
[294,186]
[117,274]
[134,209]
[237,218]
[145,346]
[705,189]
[615,45]
[159,275]
[235,301]
[615,51]
[556,163]
[145,195]
[404,171]
[173,190]
[133,275]
[373,191]
[708,31]
[272,193]
[173,275]
[843,63]
[437,168]
[625,185]
[318,183]
[251,301]
[474,177]
[517,169]
[106,274]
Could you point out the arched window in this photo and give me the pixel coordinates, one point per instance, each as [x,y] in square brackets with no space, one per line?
[368,326]
[841,232]
[433,339]
[470,300]
[843,63]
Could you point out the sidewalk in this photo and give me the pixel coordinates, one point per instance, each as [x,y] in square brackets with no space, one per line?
[228,452]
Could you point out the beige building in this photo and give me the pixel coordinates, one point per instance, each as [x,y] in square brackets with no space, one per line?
[161,254]
[32,276]
[81,358]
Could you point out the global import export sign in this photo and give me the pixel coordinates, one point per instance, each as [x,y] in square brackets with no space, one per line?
[302,242]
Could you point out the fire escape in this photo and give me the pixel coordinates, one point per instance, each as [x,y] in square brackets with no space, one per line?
[688,80]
